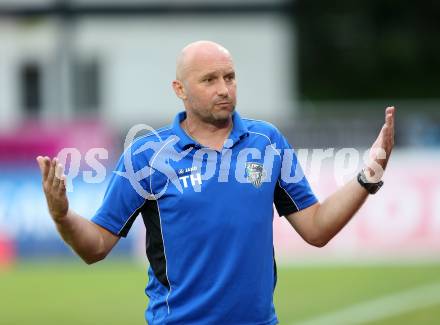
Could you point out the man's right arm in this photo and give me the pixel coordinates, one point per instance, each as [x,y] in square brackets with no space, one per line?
[89,240]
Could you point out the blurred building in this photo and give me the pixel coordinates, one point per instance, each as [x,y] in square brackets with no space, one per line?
[113,61]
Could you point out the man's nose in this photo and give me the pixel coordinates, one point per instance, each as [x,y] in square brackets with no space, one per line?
[222,89]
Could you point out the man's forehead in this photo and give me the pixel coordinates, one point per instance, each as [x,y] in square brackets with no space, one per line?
[204,57]
[207,66]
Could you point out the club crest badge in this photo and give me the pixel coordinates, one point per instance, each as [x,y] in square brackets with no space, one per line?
[255,173]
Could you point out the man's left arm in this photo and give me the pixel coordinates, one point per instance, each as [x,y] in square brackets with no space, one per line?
[319,223]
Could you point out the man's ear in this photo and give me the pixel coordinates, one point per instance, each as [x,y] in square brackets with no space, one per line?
[179,89]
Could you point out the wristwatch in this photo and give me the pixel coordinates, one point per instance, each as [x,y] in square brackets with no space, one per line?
[372,188]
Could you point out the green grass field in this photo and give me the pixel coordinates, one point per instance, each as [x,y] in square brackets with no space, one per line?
[73,293]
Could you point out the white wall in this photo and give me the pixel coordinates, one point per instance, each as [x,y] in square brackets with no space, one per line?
[139,62]
[137,57]
[20,42]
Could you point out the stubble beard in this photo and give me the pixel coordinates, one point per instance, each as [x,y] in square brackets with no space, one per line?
[221,117]
[214,116]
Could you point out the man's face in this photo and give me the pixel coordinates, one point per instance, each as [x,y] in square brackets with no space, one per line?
[210,87]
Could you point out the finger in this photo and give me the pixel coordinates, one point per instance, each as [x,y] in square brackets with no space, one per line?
[389,115]
[41,165]
[383,133]
[387,141]
[44,165]
[390,109]
[393,112]
[62,186]
[386,136]
[389,120]
[58,174]
[59,171]
[51,174]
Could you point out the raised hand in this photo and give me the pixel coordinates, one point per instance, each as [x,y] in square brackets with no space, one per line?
[54,186]
[380,151]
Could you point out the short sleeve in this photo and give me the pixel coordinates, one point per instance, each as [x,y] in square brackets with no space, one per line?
[123,199]
[292,191]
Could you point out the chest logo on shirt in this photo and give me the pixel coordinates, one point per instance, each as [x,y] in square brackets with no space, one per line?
[191,176]
[255,173]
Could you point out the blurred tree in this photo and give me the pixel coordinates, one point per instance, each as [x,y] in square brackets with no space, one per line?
[368,49]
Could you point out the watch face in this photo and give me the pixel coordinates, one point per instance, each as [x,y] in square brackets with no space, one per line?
[372,188]
[364,178]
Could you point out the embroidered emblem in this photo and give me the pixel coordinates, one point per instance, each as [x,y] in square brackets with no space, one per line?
[255,173]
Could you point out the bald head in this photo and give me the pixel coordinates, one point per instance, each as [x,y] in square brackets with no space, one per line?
[205,82]
[196,53]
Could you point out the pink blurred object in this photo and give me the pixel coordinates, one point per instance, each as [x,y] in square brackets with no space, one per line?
[33,138]
[7,252]
[400,223]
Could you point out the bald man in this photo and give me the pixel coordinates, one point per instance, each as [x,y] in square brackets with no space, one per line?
[210,182]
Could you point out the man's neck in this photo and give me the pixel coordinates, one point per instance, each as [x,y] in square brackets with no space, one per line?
[208,134]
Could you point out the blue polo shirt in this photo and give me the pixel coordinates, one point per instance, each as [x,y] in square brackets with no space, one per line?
[208,216]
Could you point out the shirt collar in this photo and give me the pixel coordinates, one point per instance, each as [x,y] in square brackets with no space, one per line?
[239,131]
[184,139]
